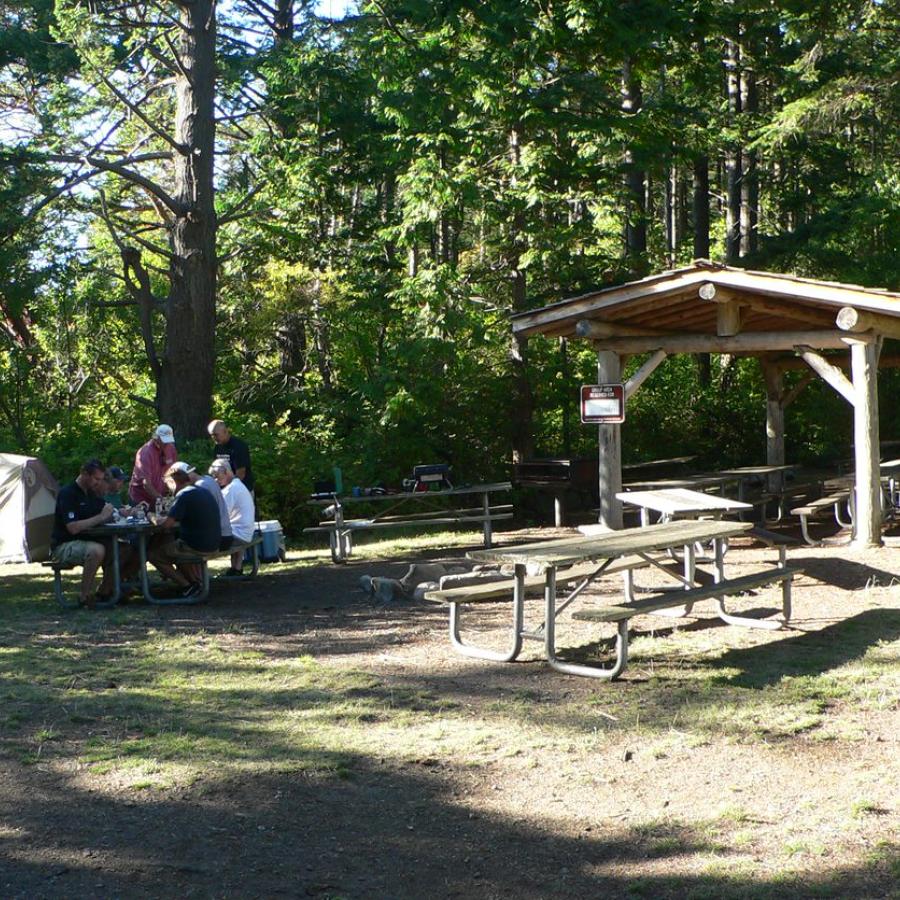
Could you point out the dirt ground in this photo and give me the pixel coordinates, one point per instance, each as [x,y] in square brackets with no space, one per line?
[724,762]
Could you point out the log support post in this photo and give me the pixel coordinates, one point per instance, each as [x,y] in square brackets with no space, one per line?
[864,367]
[862,394]
[728,318]
[643,373]
[609,371]
[774,378]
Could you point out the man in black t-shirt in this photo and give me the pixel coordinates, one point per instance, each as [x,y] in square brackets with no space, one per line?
[236,451]
[192,527]
[80,506]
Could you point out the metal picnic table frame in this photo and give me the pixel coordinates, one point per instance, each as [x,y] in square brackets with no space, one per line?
[341,531]
[549,557]
[123,531]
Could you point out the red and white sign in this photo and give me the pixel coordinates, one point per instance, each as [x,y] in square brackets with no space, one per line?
[603,404]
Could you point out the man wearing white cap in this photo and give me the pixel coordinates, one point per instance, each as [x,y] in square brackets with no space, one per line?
[211,485]
[150,464]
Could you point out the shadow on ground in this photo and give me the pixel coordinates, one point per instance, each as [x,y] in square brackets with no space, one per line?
[810,653]
[849,576]
[377,833]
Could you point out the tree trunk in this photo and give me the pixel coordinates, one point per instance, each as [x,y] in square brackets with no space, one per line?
[733,158]
[749,179]
[522,395]
[701,207]
[669,215]
[283,22]
[184,389]
[635,197]
[701,245]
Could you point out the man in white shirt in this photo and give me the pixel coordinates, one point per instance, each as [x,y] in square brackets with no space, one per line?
[241,512]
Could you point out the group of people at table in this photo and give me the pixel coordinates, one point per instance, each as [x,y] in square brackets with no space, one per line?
[195,514]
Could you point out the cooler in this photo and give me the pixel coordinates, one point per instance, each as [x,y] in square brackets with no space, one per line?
[272,548]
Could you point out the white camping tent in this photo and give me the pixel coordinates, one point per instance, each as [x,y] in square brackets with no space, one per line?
[27,503]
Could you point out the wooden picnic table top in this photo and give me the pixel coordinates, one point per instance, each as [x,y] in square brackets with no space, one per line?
[344,499]
[659,463]
[687,481]
[750,471]
[672,501]
[544,555]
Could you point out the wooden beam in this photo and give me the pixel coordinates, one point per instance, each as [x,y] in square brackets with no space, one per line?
[718,294]
[829,373]
[679,299]
[748,341]
[593,328]
[804,290]
[728,318]
[867,521]
[774,379]
[859,320]
[609,371]
[655,288]
[643,373]
[788,311]
[680,319]
[791,363]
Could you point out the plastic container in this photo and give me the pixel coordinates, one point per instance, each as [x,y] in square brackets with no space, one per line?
[272,548]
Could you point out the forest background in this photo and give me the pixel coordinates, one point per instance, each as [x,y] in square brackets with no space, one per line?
[313,222]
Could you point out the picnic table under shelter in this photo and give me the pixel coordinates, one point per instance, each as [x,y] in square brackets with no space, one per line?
[834,331]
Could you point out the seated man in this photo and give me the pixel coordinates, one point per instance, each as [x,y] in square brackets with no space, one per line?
[112,492]
[195,515]
[207,482]
[241,512]
[79,507]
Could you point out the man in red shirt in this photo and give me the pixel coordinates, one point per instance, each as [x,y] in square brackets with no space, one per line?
[150,464]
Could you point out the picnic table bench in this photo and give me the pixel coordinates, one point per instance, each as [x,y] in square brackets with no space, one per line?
[397,513]
[579,561]
[122,532]
[829,504]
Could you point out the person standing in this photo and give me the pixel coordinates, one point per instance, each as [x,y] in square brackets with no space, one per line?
[241,513]
[80,506]
[235,450]
[150,463]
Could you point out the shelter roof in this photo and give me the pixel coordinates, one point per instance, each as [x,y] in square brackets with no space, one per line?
[672,303]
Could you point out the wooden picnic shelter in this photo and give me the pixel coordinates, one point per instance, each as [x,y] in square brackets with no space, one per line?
[835,331]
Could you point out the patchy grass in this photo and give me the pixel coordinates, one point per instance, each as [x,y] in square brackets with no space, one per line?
[150,704]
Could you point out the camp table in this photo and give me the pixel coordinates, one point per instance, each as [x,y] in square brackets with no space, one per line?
[551,557]
[712,480]
[399,510]
[125,530]
[680,503]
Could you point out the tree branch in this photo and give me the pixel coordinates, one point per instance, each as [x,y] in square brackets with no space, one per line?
[178,148]
[120,169]
[232,213]
[141,292]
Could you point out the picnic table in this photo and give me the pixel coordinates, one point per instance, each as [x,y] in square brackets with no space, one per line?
[595,555]
[680,503]
[840,494]
[397,513]
[114,533]
[773,476]
[693,482]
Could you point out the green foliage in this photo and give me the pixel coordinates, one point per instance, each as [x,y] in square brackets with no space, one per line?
[422,170]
